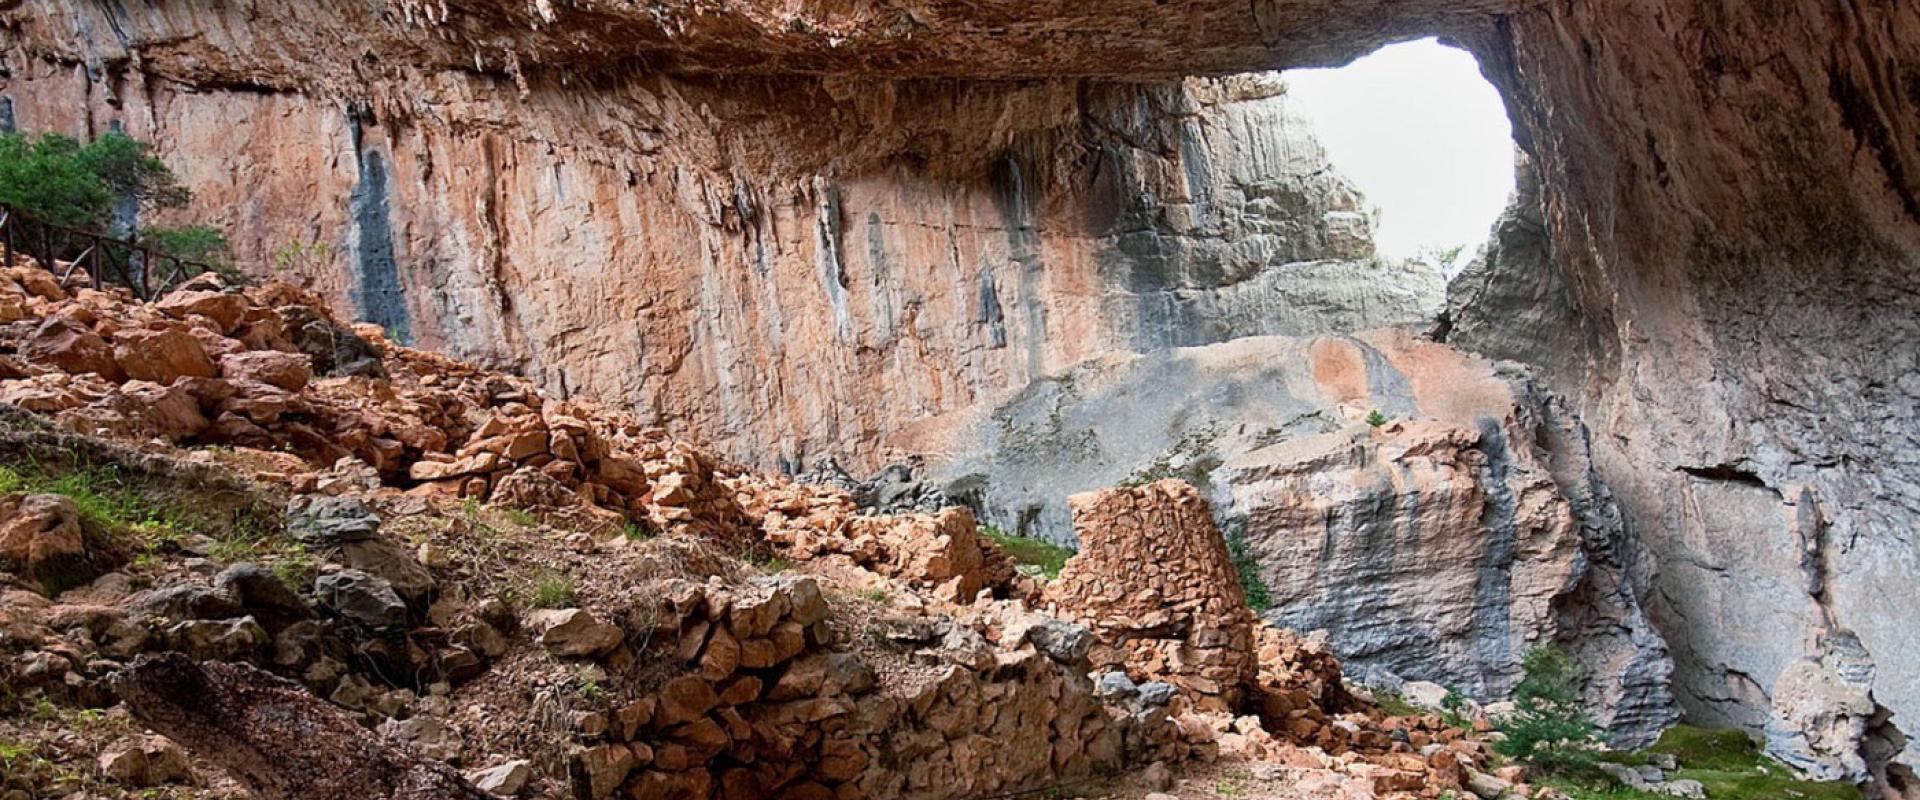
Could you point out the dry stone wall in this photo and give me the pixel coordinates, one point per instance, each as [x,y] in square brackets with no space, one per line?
[1153,580]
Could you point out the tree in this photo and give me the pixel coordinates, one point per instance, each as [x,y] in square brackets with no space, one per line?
[1549,729]
[67,183]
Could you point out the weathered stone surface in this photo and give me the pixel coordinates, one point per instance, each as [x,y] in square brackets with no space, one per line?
[44,539]
[1439,546]
[1154,582]
[72,347]
[162,355]
[505,780]
[289,371]
[363,598]
[331,520]
[573,632]
[281,740]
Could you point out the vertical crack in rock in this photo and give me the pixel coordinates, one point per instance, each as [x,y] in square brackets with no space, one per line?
[988,313]
[1023,249]
[1492,637]
[833,269]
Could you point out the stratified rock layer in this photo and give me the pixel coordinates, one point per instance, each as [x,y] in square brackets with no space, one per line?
[1440,545]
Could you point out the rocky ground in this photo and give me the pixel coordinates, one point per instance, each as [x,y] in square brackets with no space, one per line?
[247,547]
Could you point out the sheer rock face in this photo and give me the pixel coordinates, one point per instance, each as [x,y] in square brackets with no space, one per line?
[786,267]
[1731,194]
[1438,546]
[608,199]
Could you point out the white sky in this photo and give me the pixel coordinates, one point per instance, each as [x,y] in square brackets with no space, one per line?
[1423,135]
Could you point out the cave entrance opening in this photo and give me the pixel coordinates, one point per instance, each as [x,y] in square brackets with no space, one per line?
[1423,134]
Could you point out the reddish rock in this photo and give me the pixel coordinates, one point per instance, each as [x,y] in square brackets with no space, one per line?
[162,356]
[289,371]
[225,309]
[43,537]
[71,347]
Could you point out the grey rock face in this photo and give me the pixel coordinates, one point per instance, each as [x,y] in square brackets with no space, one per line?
[262,593]
[1437,547]
[1266,238]
[360,597]
[1825,723]
[330,520]
[1780,498]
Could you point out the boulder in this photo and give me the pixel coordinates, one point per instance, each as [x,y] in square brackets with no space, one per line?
[225,309]
[44,538]
[574,632]
[505,780]
[331,520]
[148,761]
[289,371]
[363,598]
[71,347]
[1822,708]
[261,592]
[1487,787]
[218,639]
[162,355]
[427,734]
[604,768]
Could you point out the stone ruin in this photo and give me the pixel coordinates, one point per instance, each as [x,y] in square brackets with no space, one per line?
[1154,581]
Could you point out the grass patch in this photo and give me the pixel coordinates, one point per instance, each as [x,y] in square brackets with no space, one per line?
[1727,764]
[105,496]
[878,595]
[1045,557]
[554,590]
[636,531]
[1397,706]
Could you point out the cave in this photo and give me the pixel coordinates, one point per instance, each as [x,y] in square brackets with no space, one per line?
[818,233]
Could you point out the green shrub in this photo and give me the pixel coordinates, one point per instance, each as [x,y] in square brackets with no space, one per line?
[1548,729]
[1259,597]
[196,243]
[64,182]
[1376,419]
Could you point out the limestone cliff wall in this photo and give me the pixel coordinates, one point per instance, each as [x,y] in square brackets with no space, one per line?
[1730,202]
[1438,546]
[783,267]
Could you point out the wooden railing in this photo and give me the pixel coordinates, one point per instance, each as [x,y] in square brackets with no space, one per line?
[135,265]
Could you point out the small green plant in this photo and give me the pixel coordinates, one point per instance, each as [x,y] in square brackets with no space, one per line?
[1549,729]
[1395,705]
[1453,709]
[636,531]
[1376,419]
[1247,567]
[587,684]
[878,595]
[519,516]
[553,590]
[305,258]
[1039,555]
[295,566]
